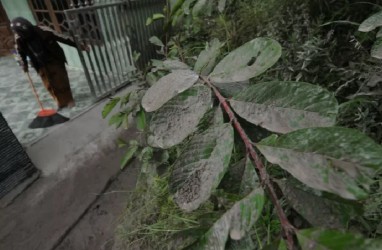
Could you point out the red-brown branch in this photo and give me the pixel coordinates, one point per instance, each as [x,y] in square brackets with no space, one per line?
[264,177]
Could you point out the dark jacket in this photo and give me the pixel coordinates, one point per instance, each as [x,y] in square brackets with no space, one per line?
[42,47]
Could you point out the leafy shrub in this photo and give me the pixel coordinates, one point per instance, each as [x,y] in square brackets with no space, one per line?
[305,157]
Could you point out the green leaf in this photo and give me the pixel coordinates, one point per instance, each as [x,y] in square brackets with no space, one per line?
[158,16]
[110,106]
[149,21]
[371,23]
[133,143]
[236,222]
[201,166]
[145,157]
[141,120]
[151,78]
[334,159]
[128,155]
[156,41]
[333,213]
[207,58]
[167,87]
[121,143]
[199,6]
[186,6]
[136,56]
[244,244]
[117,119]
[286,106]
[247,61]
[283,245]
[125,100]
[179,117]
[321,239]
[376,50]
[278,244]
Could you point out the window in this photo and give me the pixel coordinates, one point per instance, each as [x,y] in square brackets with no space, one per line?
[51,13]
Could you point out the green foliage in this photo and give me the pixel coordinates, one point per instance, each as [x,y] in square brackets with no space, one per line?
[131,151]
[110,106]
[141,120]
[333,164]
[329,239]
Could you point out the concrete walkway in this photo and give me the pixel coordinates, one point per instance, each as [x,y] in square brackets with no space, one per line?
[78,160]
[18,104]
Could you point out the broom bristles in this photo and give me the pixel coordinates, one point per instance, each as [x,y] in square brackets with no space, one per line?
[44,121]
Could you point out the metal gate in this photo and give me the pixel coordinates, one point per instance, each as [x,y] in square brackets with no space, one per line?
[114,33]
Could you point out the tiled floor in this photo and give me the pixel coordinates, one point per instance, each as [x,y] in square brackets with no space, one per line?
[18,105]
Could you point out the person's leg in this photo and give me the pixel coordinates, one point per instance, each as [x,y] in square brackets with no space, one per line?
[45,79]
[57,83]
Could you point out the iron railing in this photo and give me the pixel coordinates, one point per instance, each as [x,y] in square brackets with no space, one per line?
[113,32]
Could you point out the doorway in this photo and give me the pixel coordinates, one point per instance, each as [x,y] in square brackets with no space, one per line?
[6,36]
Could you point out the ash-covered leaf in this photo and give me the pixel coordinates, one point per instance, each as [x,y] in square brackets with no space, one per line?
[376,50]
[235,223]
[286,106]
[201,166]
[250,179]
[339,160]
[334,214]
[156,41]
[221,5]
[230,89]
[371,23]
[207,58]
[179,117]
[173,65]
[247,61]
[167,87]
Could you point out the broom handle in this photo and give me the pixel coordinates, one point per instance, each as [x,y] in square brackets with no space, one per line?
[34,91]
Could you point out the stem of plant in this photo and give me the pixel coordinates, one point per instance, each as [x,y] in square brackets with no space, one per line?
[286,225]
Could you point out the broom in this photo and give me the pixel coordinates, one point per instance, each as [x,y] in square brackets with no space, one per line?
[45,117]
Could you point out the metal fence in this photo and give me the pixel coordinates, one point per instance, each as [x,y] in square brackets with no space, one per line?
[15,165]
[114,33]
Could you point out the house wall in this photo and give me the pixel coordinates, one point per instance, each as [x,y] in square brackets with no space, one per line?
[15,8]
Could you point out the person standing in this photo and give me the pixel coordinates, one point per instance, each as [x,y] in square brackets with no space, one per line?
[40,44]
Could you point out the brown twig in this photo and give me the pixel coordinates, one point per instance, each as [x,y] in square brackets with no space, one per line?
[264,177]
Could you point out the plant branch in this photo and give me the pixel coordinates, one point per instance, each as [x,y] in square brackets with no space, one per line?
[264,177]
